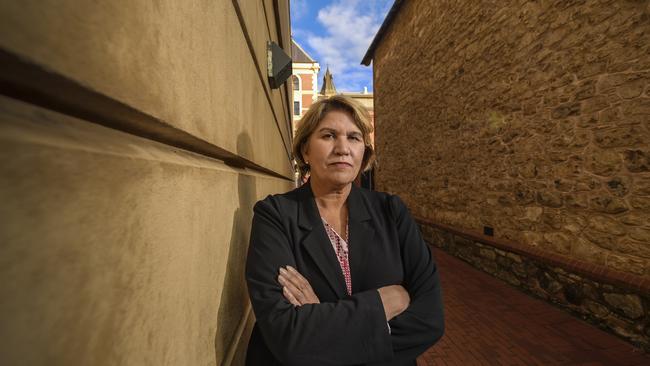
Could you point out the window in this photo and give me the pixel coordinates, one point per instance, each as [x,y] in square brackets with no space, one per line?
[296,83]
[296,108]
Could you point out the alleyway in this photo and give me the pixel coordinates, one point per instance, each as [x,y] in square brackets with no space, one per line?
[490,323]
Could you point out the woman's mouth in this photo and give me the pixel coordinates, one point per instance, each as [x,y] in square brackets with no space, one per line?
[341,164]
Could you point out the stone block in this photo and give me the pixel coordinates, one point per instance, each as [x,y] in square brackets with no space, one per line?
[581,138]
[619,186]
[604,162]
[637,161]
[576,200]
[636,218]
[533,213]
[559,242]
[610,116]
[640,234]
[610,82]
[609,204]
[515,257]
[594,104]
[528,170]
[642,203]
[635,248]
[487,253]
[606,224]
[602,239]
[549,198]
[595,308]
[564,185]
[532,238]
[573,293]
[620,326]
[552,219]
[587,183]
[586,89]
[627,263]
[519,270]
[575,223]
[553,287]
[556,156]
[589,120]
[566,110]
[524,195]
[631,89]
[641,186]
[621,136]
[629,305]
[509,277]
[636,111]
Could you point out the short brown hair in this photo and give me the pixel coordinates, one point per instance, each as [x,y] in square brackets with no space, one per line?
[309,122]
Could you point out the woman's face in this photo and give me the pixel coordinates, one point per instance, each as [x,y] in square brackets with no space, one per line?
[335,149]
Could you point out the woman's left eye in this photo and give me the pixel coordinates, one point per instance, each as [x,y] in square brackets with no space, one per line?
[355,138]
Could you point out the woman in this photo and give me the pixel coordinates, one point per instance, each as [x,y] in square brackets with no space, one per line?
[339,275]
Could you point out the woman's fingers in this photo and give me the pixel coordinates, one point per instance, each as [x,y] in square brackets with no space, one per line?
[302,281]
[295,279]
[289,296]
[296,297]
[305,287]
[297,286]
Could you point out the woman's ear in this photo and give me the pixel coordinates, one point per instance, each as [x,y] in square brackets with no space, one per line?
[303,152]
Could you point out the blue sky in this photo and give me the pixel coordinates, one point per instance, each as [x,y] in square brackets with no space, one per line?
[338,33]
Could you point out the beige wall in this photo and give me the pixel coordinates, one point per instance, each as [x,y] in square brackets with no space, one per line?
[531,118]
[119,247]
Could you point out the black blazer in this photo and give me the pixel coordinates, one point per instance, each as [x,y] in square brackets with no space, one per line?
[385,248]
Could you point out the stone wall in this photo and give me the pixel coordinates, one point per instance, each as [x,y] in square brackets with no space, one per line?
[135,138]
[614,306]
[531,117]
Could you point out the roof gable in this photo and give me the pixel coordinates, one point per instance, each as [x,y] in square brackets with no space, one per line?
[298,54]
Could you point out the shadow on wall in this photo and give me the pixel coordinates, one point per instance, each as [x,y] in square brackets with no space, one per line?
[234,305]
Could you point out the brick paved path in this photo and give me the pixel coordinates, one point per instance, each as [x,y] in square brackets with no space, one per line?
[489,322]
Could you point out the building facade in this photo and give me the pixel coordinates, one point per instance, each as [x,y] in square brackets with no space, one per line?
[304,80]
[523,144]
[135,139]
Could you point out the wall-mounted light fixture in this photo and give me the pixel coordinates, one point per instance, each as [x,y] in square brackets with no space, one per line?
[278,65]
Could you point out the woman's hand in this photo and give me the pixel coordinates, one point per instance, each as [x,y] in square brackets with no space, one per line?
[395,299]
[295,288]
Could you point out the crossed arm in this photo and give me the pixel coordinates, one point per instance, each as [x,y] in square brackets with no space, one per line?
[297,290]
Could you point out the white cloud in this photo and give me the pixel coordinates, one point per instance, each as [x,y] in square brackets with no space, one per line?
[350,27]
[298,9]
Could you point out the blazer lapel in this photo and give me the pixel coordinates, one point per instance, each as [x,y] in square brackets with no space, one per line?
[360,236]
[317,243]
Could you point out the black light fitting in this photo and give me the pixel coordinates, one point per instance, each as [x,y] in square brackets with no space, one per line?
[278,65]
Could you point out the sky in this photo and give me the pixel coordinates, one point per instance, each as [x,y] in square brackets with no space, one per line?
[338,33]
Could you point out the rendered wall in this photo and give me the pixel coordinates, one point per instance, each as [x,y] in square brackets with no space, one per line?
[124,234]
[528,117]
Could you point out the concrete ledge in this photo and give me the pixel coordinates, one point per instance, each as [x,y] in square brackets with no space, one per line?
[614,301]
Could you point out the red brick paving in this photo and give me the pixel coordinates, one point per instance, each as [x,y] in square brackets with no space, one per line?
[490,323]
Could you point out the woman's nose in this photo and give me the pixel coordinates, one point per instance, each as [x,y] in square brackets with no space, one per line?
[342,146]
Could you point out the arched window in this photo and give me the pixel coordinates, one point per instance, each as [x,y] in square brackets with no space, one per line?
[296,83]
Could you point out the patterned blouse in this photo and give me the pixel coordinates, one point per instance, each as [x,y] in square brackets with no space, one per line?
[340,246]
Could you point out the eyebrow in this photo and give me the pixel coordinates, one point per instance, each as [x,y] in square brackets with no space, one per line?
[327,129]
